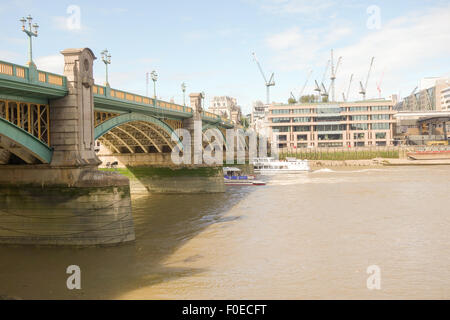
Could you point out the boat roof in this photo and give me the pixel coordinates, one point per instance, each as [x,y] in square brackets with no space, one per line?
[231,169]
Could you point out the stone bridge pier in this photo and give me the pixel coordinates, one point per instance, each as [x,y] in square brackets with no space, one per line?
[69,201]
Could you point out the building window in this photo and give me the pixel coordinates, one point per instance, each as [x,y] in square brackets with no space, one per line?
[380,135]
[330,127]
[282,137]
[280,111]
[281,120]
[301,128]
[302,137]
[302,119]
[358,136]
[330,119]
[358,126]
[380,108]
[358,109]
[329,136]
[380,126]
[380,117]
[302,145]
[359,118]
[280,129]
[328,110]
[301,111]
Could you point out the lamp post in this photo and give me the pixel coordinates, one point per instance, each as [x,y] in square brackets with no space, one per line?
[203,100]
[154,76]
[146,83]
[29,32]
[106,58]
[183,88]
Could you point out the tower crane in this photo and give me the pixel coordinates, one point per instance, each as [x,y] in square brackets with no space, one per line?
[364,88]
[269,83]
[333,75]
[345,96]
[304,86]
[379,84]
[318,89]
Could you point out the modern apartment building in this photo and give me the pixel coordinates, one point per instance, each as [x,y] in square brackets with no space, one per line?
[429,96]
[338,124]
[445,99]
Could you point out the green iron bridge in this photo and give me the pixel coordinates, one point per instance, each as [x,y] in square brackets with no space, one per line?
[123,122]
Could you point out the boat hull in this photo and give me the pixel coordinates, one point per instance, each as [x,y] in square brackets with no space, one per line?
[429,155]
[276,171]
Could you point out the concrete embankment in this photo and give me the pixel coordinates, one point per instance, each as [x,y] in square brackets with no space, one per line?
[41,205]
[150,179]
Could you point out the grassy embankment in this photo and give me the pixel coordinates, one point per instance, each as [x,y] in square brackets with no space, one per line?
[132,172]
[339,155]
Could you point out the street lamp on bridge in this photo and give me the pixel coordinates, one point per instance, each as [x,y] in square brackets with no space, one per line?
[183,88]
[203,99]
[29,32]
[106,58]
[154,76]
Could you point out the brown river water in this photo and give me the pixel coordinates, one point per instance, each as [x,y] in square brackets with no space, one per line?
[302,236]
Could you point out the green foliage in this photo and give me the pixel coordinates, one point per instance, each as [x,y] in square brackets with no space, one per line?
[245,123]
[143,171]
[330,154]
[310,98]
[292,101]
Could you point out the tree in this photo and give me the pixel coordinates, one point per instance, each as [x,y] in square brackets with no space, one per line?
[292,101]
[244,122]
[308,98]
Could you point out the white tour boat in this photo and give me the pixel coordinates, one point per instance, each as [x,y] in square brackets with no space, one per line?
[290,165]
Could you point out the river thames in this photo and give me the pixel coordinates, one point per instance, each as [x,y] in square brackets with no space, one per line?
[302,236]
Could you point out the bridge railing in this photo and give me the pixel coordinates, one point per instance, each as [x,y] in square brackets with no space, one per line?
[138,99]
[23,73]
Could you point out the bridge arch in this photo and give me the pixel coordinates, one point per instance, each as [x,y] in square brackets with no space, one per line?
[136,133]
[211,126]
[23,144]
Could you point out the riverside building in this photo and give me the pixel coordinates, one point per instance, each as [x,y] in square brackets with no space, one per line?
[335,124]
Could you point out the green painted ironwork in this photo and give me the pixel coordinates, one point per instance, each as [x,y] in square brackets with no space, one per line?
[35,146]
[128,102]
[210,126]
[106,126]
[23,82]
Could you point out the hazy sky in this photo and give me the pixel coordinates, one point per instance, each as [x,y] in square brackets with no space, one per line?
[208,44]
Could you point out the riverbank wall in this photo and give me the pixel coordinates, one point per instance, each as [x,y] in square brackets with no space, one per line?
[43,205]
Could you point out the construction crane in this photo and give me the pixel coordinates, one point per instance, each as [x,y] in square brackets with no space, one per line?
[413,93]
[324,92]
[318,88]
[293,97]
[333,75]
[269,83]
[364,88]
[344,96]
[304,86]
[379,84]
